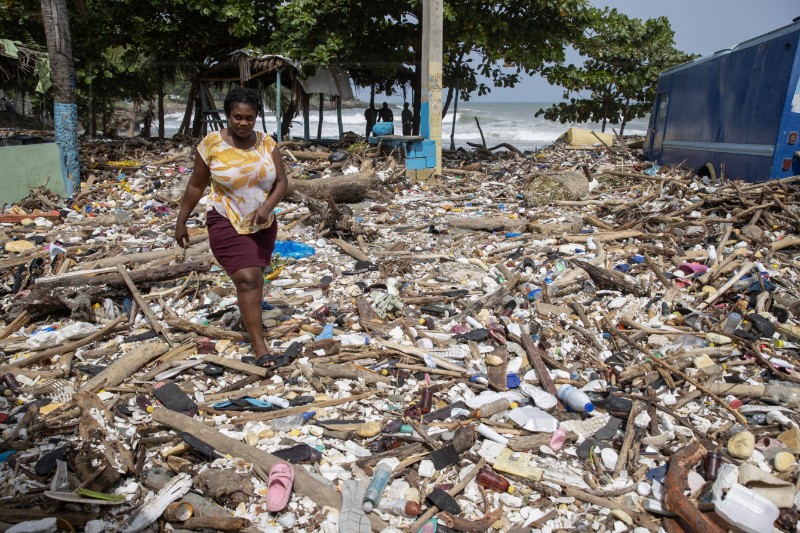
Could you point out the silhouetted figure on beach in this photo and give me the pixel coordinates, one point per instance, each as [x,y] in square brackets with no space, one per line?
[385,114]
[407,118]
[371,116]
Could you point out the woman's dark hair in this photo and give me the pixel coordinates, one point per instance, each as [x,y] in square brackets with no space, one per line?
[241,95]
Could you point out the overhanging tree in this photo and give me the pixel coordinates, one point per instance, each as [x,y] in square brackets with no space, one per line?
[622,58]
[380,42]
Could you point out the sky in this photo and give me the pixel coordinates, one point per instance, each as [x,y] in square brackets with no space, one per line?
[701,27]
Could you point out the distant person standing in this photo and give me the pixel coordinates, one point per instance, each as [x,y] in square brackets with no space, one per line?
[385,114]
[407,118]
[371,116]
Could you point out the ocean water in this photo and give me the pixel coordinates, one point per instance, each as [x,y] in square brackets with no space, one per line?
[501,122]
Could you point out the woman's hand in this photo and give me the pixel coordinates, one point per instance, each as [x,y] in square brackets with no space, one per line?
[263,214]
[181,235]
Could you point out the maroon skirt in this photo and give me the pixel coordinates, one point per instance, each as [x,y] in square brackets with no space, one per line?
[235,251]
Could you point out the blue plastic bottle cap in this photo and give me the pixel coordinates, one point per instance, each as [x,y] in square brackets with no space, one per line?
[588,408]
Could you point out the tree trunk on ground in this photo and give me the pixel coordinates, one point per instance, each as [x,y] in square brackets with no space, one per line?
[351,188]
[55,18]
[197,124]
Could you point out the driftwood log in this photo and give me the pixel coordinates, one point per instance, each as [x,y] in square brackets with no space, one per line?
[350,188]
[488,224]
[609,279]
[76,294]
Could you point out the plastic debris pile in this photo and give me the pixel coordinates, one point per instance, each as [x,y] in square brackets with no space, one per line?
[468,355]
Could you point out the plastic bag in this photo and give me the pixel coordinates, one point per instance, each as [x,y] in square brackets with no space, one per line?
[293,249]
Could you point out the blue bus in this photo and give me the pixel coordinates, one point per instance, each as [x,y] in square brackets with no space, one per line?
[736,111]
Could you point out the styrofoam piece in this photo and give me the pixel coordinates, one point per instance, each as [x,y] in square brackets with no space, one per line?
[533,419]
[747,510]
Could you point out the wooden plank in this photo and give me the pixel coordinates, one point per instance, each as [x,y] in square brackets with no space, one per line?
[233,364]
[535,359]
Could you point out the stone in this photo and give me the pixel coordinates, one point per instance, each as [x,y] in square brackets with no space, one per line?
[791,438]
[784,461]
[370,429]
[741,445]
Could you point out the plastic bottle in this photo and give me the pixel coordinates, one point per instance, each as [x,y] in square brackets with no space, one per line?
[427,400]
[711,465]
[375,489]
[405,508]
[11,382]
[574,399]
[277,401]
[733,321]
[290,422]
[785,395]
[495,407]
[508,308]
[385,444]
[354,339]
[489,480]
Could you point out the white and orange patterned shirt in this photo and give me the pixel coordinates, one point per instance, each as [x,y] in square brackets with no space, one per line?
[241,179]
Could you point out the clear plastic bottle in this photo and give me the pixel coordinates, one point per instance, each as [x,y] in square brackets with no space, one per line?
[733,321]
[375,489]
[575,399]
[287,423]
[785,394]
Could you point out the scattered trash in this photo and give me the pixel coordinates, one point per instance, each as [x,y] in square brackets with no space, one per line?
[480,353]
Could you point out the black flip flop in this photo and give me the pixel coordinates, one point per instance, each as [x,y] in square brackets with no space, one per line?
[173,398]
[300,454]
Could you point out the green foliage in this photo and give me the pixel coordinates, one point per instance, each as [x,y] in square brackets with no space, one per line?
[381,41]
[616,83]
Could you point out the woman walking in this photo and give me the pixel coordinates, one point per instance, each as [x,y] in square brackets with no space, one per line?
[245,170]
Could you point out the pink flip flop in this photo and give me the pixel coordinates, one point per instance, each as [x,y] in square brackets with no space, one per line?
[279,486]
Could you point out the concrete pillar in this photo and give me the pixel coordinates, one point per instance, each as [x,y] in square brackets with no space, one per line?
[431,98]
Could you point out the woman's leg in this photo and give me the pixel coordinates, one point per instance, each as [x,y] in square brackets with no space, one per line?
[249,291]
